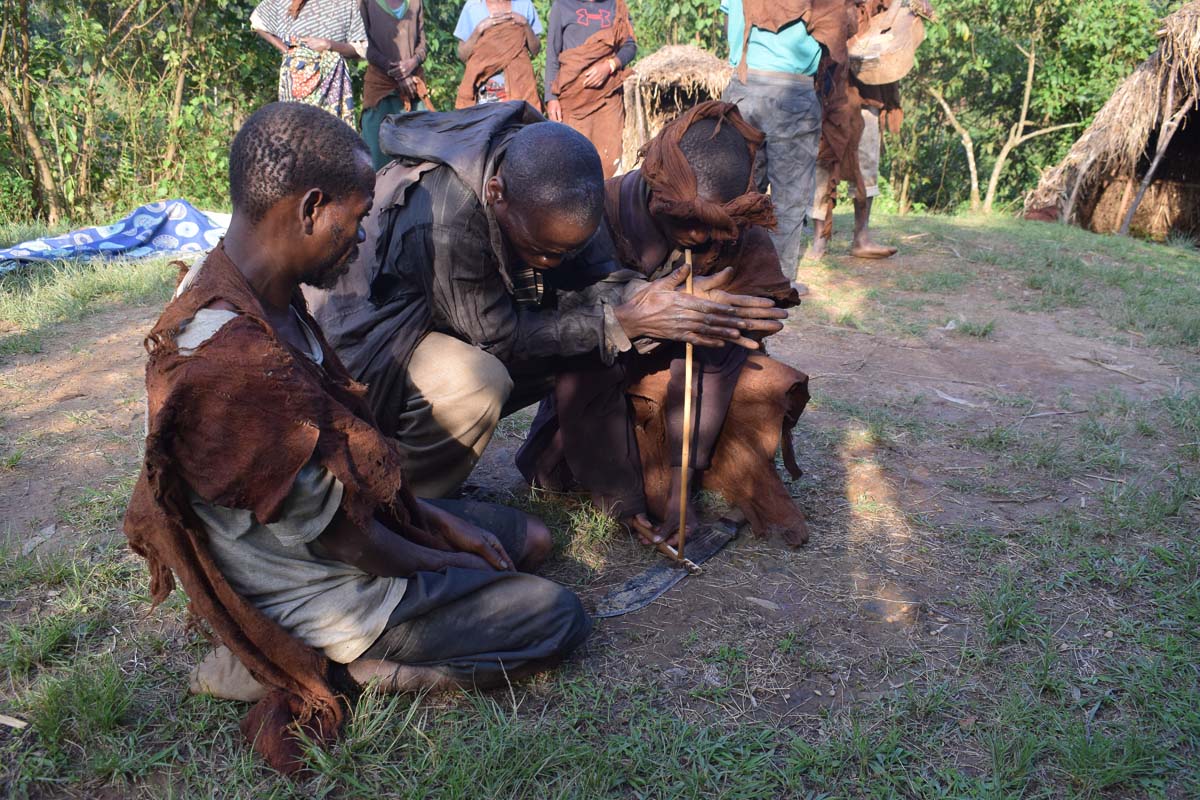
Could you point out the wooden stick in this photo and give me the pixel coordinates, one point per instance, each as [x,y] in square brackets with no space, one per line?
[688,358]
[673,554]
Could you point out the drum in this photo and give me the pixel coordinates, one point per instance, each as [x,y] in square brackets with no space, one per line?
[885,51]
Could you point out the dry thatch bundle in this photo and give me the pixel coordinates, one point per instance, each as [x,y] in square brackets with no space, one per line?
[1149,127]
[662,86]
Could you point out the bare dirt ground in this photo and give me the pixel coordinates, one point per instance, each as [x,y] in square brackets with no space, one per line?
[962,438]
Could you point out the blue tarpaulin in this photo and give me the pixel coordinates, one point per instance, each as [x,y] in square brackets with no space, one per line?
[168,227]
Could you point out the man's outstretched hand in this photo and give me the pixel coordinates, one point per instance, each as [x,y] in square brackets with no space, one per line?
[709,318]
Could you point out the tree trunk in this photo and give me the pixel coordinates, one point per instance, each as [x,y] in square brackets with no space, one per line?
[173,132]
[1016,134]
[45,175]
[903,204]
[968,146]
[83,179]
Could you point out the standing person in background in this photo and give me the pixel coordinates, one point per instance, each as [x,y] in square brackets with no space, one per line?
[395,79]
[776,48]
[588,45]
[315,37]
[497,41]
[851,151]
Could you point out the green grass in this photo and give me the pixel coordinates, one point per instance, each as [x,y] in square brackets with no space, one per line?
[979,330]
[934,281]
[35,298]
[1146,287]
[1008,612]
[26,646]
[12,233]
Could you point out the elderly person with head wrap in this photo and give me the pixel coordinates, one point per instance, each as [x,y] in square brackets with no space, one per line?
[695,191]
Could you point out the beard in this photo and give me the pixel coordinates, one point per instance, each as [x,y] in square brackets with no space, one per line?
[336,265]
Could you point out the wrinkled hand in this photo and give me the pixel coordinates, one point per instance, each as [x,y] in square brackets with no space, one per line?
[316,43]
[596,75]
[710,318]
[760,309]
[467,538]
[553,111]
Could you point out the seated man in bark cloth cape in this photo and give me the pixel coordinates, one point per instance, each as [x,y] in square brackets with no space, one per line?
[484,285]
[589,43]
[271,495]
[695,190]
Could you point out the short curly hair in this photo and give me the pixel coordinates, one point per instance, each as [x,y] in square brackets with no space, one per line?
[549,166]
[719,157]
[285,148]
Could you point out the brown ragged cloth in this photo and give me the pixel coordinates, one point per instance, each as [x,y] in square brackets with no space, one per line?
[500,48]
[377,85]
[673,183]
[841,111]
[767,402]
[236,422]
[599,113]
[737,422]
[756,267]
[823,19]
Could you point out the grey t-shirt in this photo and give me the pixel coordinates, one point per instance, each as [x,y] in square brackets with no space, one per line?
[329,605]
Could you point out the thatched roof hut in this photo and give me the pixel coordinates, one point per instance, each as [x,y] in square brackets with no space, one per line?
[663,85]
[1104,175]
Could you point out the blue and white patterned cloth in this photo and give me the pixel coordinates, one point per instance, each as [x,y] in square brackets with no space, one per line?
[169,227]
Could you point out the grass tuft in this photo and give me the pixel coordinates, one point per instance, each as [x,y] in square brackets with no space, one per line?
[39,296]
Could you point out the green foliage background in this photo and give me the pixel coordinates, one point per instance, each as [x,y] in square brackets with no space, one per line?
[137,100]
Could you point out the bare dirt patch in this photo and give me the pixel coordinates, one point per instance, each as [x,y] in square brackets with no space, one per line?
[72,423]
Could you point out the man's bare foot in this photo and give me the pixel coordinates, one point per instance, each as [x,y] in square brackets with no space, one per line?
[816,249]
[869,249]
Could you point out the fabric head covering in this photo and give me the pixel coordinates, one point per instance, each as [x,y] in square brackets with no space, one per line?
[672,181]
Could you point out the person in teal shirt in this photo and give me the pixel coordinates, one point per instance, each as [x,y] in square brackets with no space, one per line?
[778,97]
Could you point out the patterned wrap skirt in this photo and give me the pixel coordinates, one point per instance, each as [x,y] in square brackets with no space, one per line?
[320,79]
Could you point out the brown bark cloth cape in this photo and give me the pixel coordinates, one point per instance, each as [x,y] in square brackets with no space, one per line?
[745,402]
[842,100]
[599,113]
[235,423]
[502,47]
